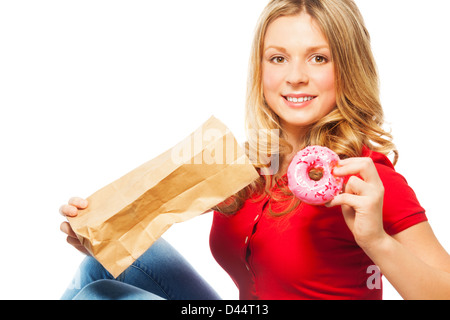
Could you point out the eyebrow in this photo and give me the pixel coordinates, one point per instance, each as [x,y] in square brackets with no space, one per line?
[308,49]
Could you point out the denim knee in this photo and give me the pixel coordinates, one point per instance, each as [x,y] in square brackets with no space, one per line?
[114,290]
[90,270]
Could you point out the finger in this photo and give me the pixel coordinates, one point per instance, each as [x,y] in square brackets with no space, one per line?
[68,210]
[67,229]
[358,166]
[78,202]
[73,241]
[347,199]
[356,186]
[83,250]
[77,245]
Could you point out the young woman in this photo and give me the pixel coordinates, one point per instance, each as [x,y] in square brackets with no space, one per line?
[312,77]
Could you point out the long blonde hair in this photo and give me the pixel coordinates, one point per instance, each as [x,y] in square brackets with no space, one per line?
[358,118]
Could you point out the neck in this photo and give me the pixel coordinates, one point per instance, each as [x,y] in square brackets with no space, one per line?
[295,136]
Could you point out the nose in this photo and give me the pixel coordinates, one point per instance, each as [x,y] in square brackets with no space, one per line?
[297,75]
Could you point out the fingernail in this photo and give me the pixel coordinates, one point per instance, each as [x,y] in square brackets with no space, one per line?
[72,211]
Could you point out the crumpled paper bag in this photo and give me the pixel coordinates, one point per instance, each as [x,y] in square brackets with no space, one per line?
[127,216]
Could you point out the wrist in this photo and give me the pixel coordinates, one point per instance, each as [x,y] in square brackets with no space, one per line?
[375,244]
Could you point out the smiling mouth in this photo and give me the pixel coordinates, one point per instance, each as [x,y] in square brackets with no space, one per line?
[299,99]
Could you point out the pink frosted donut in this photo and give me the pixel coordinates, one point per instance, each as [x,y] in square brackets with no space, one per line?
[310,175]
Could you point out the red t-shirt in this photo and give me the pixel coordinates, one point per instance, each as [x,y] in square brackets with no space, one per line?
[309,253]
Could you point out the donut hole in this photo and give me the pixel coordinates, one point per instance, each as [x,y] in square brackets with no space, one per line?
[315,174]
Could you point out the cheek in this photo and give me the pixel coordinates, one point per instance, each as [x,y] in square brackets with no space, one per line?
[325,82]
[271,82]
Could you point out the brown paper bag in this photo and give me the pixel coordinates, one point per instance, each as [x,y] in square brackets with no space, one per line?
[125,217]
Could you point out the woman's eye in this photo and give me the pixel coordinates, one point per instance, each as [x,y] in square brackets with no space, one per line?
[319,59]
[278,60]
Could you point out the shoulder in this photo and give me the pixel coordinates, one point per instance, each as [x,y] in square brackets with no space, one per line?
[401,208]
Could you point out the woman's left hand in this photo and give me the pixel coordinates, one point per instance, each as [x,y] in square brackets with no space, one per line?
[362,200]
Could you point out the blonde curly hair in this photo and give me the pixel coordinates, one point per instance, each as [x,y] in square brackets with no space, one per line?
[355,122]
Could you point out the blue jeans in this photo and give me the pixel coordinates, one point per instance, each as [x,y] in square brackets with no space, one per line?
[161,273]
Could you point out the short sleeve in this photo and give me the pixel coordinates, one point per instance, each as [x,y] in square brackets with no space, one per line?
[401,208]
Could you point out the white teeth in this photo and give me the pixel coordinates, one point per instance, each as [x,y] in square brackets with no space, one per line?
[290,99]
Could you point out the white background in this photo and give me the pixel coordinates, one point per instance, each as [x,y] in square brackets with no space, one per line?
[91,89]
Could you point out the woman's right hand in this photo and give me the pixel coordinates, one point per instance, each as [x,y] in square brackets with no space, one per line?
[71,210]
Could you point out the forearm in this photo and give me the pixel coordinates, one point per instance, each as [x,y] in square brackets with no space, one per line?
[410,276]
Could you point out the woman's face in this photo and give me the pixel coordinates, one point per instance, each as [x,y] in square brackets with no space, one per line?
[298,73]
